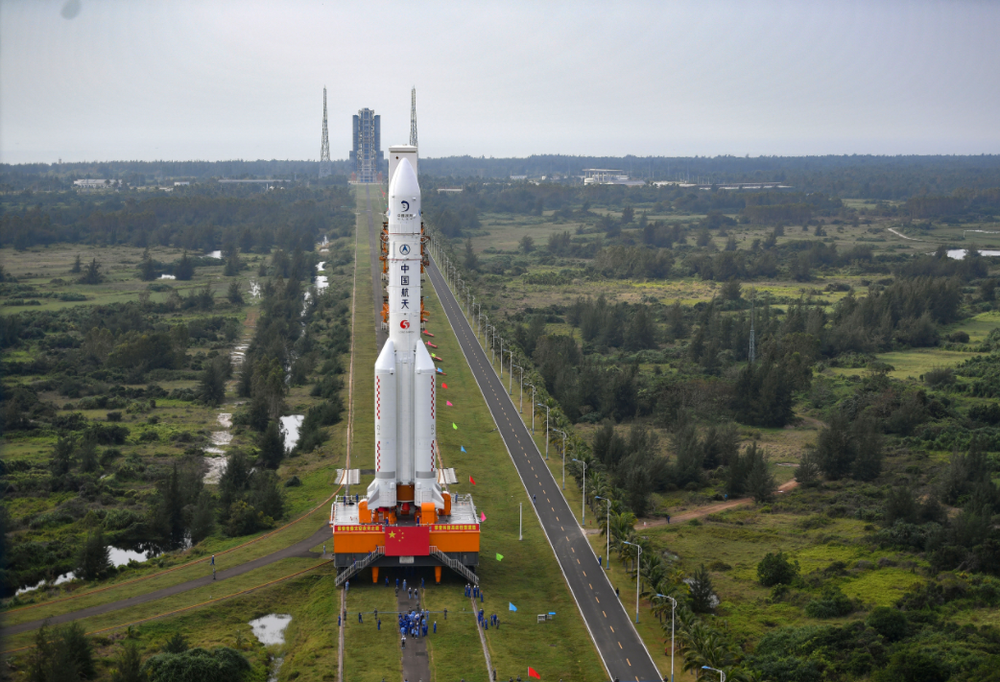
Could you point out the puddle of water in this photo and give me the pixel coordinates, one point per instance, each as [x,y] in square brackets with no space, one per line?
[290,427]
[216,467]
[167,277]
[270,629]
[118,557]
[214,254]
[959,254]
[275,669]
[221,438]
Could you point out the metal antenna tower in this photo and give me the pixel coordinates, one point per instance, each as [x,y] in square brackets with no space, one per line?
[413,117]
[324,148]
[753,342]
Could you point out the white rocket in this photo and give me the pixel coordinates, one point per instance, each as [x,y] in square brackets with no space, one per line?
[405,428]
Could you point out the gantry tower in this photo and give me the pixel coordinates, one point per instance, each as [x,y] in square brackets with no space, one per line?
[324,147]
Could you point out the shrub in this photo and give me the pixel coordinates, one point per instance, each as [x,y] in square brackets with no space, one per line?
[939,376]
[832,604]
[776,569]
[220,665]
[888,622]
[913,665]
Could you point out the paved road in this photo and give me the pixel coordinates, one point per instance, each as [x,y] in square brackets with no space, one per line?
[299,549]
[610,626]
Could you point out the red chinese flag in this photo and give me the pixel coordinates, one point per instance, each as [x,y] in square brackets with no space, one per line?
[407,540]
[533,673]
[444,385]
[472,480]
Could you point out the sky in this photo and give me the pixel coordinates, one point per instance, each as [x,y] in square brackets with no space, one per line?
[89,80]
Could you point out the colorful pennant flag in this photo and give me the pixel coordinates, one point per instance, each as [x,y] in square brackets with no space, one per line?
[453,426]
[533,673]
[511,607]
[472,480]
[499,556]
[448,403]
[443,385]
[482,516]
[463,449]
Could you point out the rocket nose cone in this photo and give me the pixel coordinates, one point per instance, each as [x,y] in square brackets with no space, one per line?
[404,182]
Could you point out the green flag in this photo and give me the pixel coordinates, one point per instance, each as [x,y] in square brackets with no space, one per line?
[499,556]
[453,426]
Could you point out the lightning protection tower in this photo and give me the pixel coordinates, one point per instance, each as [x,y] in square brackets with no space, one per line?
[324,148]
[413,117]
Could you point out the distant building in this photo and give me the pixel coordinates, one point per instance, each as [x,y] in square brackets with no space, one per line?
[367,152]
[608,176]
[96,184]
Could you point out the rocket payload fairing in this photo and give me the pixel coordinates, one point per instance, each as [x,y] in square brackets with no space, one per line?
[405,428]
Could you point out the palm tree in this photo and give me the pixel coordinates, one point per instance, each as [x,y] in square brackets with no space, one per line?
[703,646]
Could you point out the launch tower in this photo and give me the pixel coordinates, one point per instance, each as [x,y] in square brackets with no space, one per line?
[405,519]
[324,146]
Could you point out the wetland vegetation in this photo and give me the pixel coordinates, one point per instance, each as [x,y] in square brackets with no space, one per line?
[869,395]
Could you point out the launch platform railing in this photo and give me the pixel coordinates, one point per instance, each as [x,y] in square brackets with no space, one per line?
[359,566]
[454,565]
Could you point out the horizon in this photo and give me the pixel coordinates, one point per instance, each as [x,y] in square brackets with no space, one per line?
[218,81]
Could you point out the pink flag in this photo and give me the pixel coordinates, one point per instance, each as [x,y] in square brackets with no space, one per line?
[448,402]
[482,516]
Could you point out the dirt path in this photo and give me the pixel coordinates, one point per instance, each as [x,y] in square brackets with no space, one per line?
[701,512]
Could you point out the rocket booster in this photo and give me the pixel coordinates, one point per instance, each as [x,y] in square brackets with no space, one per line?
[405,426]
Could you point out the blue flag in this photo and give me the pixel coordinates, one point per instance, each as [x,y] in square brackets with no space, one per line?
[463,449]
[511,607]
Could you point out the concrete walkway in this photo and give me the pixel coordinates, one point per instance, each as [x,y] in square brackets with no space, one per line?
[416,664]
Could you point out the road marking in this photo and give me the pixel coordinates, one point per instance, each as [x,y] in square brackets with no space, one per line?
[590,585]
[612,628]
[621,647]
[605,613]
[561,528]
[572,550]
[577,561]
[584,574]
[598,600]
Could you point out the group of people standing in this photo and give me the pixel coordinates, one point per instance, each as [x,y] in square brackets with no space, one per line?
[415,624]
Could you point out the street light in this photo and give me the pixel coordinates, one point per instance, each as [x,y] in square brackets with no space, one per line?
[705,667]
[608,533]
[673,611]
[546,429]
[520,405]
[564,456]
[532,409]
[637,559]
[510,388]
[583,505]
